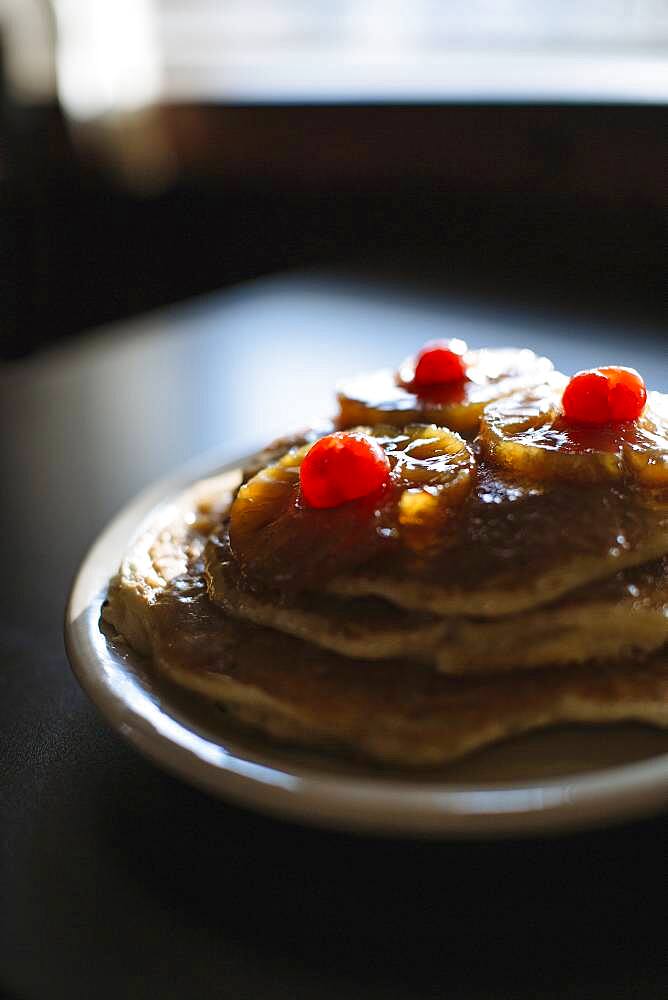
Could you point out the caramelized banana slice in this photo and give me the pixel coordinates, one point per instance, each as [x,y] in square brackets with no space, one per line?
[279,541]
[528,434]
[646,453]
[391,397]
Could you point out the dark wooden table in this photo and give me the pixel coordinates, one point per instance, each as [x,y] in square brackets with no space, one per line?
[117,881]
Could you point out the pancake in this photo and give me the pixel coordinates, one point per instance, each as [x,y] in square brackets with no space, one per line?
[617,619]
[514,545]
[504,544]
[622,617]
[367,627]
[392,711]
[164,553]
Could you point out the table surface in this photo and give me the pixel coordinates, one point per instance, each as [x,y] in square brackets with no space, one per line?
[116,880]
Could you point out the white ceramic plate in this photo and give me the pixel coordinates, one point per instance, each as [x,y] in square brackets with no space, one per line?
[554,780]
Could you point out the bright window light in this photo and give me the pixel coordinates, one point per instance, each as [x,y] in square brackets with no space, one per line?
[117,55]
[107,56]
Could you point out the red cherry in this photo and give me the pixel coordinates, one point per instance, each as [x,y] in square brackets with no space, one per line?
[341,467]
[628,394]
[440,362]
[604,395]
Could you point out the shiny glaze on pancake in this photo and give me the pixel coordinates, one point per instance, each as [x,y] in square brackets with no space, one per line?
[513,545]
[510,545]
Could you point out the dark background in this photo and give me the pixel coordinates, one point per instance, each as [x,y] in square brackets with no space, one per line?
[561,205]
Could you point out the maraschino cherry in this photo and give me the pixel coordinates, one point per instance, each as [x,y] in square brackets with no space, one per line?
[440,362]
[604,395]
[341,467]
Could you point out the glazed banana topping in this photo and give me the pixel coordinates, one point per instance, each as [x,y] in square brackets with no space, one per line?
[450,536]
[529,435]
[394,397]
[280,540]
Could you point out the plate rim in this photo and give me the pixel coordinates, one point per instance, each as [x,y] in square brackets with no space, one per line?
[345,802]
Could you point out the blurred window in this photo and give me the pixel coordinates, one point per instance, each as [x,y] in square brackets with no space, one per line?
[118,54]
[584,50]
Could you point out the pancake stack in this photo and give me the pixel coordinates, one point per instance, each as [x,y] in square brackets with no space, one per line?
[513,575]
